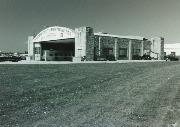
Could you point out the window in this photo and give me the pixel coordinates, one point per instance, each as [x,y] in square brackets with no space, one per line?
[123,52]
[136,52]
[107,51]
[37,50]
[110,51]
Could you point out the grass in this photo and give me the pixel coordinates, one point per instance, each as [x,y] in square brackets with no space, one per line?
[130,94]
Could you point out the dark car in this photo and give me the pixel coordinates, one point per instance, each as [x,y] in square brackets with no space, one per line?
[146,57]
[15,59]
[10,58]
[171,58]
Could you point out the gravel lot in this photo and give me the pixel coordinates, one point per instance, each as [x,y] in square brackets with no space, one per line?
[90,95]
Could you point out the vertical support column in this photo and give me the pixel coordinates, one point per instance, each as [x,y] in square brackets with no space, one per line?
[80,42]
[84,43]
[115,49]
[89,44]
[162,49]
[37,53]
[30,48]
[130,50]
[40,51]
[99,49]
[142,48]
[45,55]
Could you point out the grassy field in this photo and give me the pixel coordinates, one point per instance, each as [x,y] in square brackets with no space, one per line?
[90,95]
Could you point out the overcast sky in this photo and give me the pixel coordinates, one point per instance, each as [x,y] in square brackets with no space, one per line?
[148,18]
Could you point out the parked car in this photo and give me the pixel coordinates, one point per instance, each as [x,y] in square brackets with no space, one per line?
[10,58]
[171,58]
[146,57]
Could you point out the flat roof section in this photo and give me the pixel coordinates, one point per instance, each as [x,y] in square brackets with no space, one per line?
[118,36]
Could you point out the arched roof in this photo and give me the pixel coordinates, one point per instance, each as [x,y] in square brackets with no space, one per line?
[54,33]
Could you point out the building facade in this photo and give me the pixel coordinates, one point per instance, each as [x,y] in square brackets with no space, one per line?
[157,48]
[172,49]
[64,44]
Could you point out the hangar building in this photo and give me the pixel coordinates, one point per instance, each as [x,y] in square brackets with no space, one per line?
[65,44]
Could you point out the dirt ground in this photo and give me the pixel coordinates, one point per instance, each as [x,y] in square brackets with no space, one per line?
[90,95]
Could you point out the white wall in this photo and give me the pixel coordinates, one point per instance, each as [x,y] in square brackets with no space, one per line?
[80,42]
[168,48]
[157,48]
[30,47]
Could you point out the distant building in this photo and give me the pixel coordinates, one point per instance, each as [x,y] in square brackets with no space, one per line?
[64,44]
[172,49]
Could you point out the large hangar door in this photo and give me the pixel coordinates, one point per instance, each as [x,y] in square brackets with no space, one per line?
[59,51]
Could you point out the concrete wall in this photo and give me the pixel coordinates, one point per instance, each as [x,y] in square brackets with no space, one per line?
[84,43]
[115,43]
[157,48]
[80,42]
[37,55]
[89,44]
[102,42]
[30,47]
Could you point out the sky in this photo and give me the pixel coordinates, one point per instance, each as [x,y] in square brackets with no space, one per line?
[148,18]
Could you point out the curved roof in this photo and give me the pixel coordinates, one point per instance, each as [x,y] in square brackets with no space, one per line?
[54,33]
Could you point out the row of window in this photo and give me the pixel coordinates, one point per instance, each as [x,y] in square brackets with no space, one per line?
[123,52]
